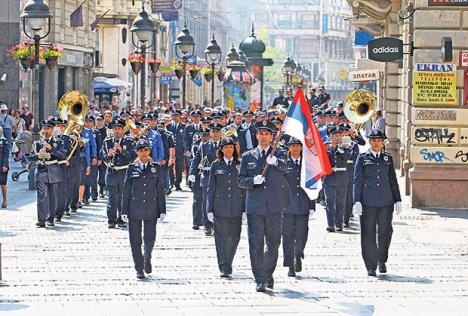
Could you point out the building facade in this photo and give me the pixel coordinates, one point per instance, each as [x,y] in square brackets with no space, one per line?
[317,33]
[428,138]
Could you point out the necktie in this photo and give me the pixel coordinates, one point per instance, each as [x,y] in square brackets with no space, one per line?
[297,162]
[263,154]
[229,163]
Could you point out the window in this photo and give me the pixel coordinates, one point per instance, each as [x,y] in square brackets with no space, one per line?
[310,21]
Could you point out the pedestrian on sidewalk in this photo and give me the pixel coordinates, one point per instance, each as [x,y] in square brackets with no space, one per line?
[4,154]
[295,228]
[376,197]
[143,204]
[225,204]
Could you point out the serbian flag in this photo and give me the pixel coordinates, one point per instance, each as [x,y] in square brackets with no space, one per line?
[315,162]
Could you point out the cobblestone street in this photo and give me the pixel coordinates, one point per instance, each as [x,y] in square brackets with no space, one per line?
[81,267]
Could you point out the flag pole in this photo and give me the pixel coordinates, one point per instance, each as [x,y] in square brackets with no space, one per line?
[272,153]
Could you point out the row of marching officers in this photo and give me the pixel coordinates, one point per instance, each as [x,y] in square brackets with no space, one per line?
[270,198]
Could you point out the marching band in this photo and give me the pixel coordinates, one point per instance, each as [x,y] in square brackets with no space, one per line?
[238,166]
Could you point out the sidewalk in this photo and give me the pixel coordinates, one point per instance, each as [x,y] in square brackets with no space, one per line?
[80,267]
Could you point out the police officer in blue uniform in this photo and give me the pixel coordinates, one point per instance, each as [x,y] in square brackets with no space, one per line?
[281,99]
[247,133]
[296,215]
[205,156]
[335,184]
[101,134]
[376,197]
[155,139]
[64,186]
[191,133]
[195,175]
[267,197]
[91,179]
[143,204]
[47,151]
[168,160]
[177,129]
[225,204]
[117,153]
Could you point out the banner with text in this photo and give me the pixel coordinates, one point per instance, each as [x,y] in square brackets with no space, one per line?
[435,84]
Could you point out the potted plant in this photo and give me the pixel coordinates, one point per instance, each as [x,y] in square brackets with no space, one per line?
[193,70]
[24,53]
[220,74]
[178,68]
[154,64]
[50,54]
[135,62]
[207,73]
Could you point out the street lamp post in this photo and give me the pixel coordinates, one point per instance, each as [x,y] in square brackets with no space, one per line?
[213,57]
[185,48]
[288,67]
[143,29]
[35,15]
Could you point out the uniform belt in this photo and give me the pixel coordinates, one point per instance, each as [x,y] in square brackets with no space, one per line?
[62,162]
[47,163]
[350,161]
[118,167]
[206,168]
[338,169]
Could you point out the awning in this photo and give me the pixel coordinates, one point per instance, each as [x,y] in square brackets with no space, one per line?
[104,87]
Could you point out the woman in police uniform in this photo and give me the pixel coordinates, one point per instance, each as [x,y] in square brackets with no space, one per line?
[225,204]
[296,215]
[143,203]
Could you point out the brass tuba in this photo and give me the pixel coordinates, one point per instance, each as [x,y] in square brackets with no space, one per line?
[73,107]
[359,106]
[129,124]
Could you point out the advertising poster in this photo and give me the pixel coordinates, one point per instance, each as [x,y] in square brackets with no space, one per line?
[236,95]
[435,84]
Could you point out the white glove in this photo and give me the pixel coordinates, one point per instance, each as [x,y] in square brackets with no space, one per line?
[124,217]
[210,217]
[272,160]
[244,216]
[397,208]
[357,209]
[259,179]
[162,217]
[191,178]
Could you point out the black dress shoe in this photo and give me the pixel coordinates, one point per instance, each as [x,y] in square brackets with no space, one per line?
[224,274]
[382,268]
[111,225]
[331,229]
[140,275]
[291,272]
[80,205]
[50,223]
[40,224]
[86,202]
[209,232]
[195,227]
[270,283]
[122,225]
[178,188]
[58,219]
[168,192]
[148,268]
[346,225]
[67,212]
[298,264]
[339,229]
[73,210]
[261,287]
[371,273]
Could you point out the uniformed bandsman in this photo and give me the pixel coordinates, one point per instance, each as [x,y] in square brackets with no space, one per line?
[205,156]
[335,184]
[101,134]
[143,204]
[177,129]
[64,186]
[225,204]
[267,197]
[376,196]
[247,133]
[194,177]
[47,151]
[281,99]
[117,153]
[296,215]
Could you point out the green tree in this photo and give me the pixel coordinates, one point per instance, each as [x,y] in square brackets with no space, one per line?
[273,75]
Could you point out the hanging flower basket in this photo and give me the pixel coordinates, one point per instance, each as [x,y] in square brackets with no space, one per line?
[208,77]
[220,74]
[154,64]
[26,63]
[194,70]
[136,67]
[51,61]
[21,51]
[178,73]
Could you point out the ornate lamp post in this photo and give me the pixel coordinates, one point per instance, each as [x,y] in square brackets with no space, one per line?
[185,47]
[35,16]
[254,49]
[213,57]
[288,68]
[142,38]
